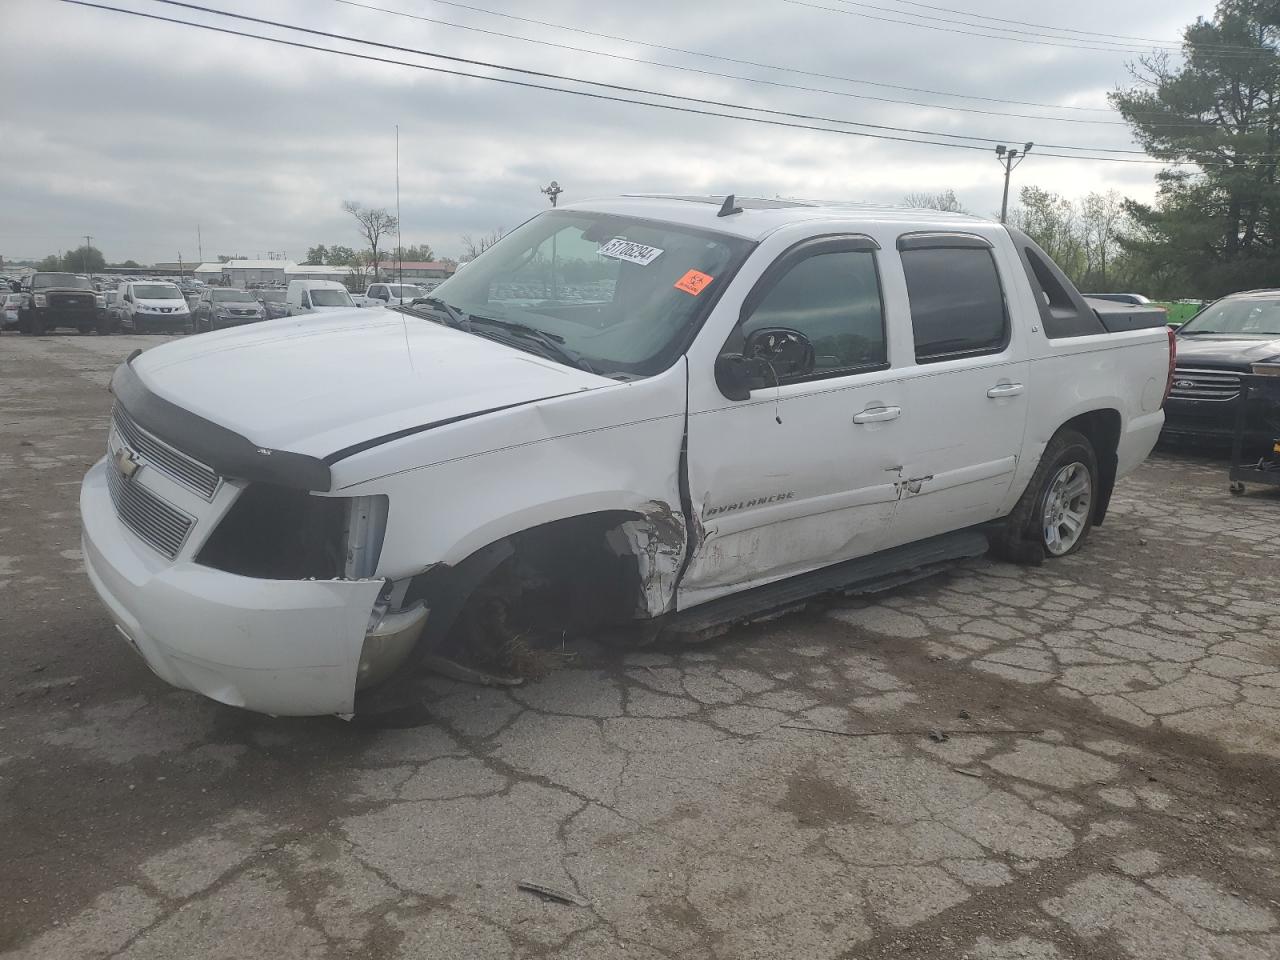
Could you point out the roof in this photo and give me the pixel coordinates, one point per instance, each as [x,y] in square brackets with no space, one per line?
[257,264]
[760,217]
[208,268]
[420,265]
[327,269]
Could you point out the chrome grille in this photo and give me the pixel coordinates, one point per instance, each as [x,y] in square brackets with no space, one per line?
[155,521]
[165,458]
[1190,384]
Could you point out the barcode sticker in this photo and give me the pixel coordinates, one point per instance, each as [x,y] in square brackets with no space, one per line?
[621,249]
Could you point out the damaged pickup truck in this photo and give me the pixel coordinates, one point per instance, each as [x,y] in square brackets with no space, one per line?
[683,411]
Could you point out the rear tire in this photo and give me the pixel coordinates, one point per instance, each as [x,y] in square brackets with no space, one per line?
[1055,513]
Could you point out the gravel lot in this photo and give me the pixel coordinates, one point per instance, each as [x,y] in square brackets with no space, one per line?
[1107,788]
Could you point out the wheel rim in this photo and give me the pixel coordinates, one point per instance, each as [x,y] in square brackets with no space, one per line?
[1066,508]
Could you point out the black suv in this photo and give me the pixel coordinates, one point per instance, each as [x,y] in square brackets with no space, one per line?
[1215,347]
[52,300]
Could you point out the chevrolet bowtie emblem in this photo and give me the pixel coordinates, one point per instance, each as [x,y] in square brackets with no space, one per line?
[127,463]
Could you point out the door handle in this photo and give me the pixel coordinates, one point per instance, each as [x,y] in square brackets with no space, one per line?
[1005,390]
[877,414]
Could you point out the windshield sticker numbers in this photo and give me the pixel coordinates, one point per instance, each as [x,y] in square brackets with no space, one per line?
[622,249]
[693,282]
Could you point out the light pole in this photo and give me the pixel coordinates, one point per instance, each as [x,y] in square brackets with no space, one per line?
[553,191]
[1010,157]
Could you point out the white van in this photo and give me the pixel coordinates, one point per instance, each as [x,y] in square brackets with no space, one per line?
[151,305]
[317,296]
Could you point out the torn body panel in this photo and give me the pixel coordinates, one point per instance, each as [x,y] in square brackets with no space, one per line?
[658,543]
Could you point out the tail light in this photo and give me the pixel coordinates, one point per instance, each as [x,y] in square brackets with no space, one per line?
[1173,358]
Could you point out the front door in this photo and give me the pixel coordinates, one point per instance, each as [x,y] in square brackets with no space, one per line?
[802,473]
[967,385]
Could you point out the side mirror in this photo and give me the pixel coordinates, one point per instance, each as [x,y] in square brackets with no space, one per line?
[788,352]
[736,375]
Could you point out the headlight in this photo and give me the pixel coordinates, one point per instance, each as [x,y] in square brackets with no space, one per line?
[100,300]
[38,298]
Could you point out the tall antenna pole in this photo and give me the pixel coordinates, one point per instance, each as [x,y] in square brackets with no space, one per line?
[399,240]
[199,244]
[88,244]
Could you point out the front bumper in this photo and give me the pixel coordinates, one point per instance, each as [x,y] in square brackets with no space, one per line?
[161,321]
[1212,422]
[222,323]
[285,647]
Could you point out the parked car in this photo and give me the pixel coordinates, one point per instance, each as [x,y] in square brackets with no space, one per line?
[1215,348]
[220,307]
[9,304]
[394,292]
[152,306]
[317,296]
[53,300]
[731,409]
[275,302]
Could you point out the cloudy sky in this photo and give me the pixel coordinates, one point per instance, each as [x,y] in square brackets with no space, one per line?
[137,131]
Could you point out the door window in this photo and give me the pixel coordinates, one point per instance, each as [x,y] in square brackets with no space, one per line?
[957,303]
[834,300]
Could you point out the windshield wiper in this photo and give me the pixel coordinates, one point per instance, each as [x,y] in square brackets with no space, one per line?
[457,319]
[550,342]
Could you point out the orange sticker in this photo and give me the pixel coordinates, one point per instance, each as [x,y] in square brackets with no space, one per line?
[693,282]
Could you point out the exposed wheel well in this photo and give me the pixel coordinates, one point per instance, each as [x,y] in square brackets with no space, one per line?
[571,574]
[1102,429]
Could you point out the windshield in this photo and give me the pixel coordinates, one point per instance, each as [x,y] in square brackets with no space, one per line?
[232,296]
[331,298]
[156,291]
[1241,317]
[43,280]
[626,295]
[405,291]
[272,296]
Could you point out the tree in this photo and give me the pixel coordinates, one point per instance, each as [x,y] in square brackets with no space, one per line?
[375,223]
[1051,220]
[340,256]
[84,260]
[318,255]
[131,264]
[415,253]
[50,264]
[472,248]
[1102,219]
[228,257]
[1214,229]
[946,201]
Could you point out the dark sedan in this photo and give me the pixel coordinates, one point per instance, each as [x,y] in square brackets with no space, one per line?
[220,307]
[1215,348]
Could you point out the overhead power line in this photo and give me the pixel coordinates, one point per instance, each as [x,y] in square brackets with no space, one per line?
[1045,26]
[674,107]
[755,63]
[1044,40]
[725,76]
[617,87]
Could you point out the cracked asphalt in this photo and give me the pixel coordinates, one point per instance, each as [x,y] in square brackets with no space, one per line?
[1076,760]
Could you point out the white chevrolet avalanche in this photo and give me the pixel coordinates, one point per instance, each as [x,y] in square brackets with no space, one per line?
[684,411]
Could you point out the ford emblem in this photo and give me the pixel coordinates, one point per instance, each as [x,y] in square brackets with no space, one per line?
[1184,384]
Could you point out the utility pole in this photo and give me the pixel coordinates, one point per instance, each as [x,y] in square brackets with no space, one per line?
[199,244]
[1010,157]
[88,243]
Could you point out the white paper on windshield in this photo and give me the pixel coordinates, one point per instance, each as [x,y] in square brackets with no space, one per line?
[620,249]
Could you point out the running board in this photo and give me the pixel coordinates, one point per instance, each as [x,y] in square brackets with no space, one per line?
[880,571]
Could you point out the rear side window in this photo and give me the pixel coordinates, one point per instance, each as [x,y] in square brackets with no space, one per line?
[834,300]
[957,303]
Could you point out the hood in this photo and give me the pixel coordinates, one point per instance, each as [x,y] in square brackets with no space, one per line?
[318,384]
[1225,350]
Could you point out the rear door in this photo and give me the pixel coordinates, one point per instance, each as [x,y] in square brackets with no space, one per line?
[966,392]
[801,473]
